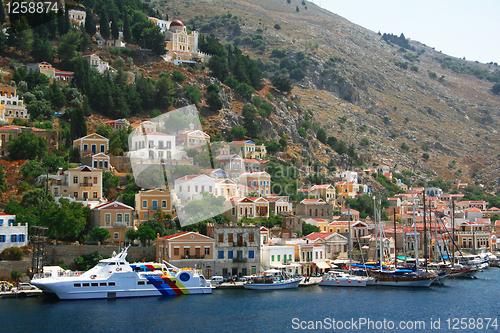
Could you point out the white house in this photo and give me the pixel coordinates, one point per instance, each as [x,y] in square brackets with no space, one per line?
[433,192]
[97,63]
[350,176]
[190,187]
[277,256]
[10,233]
[154,146]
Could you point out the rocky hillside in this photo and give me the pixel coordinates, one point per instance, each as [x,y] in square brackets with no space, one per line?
[408,102]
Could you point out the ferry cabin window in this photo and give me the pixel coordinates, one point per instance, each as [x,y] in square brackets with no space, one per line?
[111,284]
[77,285]
[94,284]
[150,282]
[140,283]
[103,284]
[85,285]
[158,282]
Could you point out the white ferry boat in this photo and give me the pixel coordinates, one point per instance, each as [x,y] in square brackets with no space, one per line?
[116,278]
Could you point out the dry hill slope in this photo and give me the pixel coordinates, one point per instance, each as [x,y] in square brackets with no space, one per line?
[452,119]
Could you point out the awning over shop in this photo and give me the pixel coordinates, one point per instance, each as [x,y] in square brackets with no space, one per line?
[322,265]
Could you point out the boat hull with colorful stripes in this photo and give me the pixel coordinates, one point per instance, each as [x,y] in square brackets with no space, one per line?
[115,278]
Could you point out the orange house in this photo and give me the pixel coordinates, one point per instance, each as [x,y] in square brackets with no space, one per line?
[115,217]
[187,249]
[147,204]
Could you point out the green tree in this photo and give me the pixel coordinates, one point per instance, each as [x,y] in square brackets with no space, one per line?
[425,156]
[27,146]
[114,28]
[192,93]
[3,184]
[153,39]
[238,132]
[65,221]
[55,95]
[99,234]
[245,91]
[496,88]
[90,23]
[104,24]
[24,41]
[104,130]
[127,34]
[68,44]
[31,169]
[109,181]
[282,84]
[2,15]
[145,233]
[165,92]
[308,229]
[15,274]
[42,51]
[321,135]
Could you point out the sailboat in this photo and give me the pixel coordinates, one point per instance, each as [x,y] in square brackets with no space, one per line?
[399,277]
[342,278]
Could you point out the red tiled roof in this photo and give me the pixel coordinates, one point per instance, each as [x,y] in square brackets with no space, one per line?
[176,235]
[312,201]
[315,235]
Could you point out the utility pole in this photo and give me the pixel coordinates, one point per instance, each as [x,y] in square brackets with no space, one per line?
[425,236]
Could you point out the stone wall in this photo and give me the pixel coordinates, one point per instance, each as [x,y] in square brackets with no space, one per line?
[66,254]
[7,266]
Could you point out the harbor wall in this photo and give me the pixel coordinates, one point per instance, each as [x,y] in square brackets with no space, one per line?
[66,254]
[6,266]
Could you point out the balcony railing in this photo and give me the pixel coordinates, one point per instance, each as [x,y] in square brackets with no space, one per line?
[86,184]
[240,244]
[194,257]
[240,259]
[120,224]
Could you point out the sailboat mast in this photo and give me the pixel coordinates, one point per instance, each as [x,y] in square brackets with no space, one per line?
[350,246]
[416,244]
[425,236]
[395,238]
[453,233]
[380,233]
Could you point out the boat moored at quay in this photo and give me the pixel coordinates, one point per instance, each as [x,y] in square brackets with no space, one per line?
[116,278]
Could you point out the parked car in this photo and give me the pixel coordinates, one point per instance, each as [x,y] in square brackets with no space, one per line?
[26,286]
[217,279]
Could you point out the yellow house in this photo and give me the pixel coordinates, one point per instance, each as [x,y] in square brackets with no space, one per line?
[181,46]
[92,144]
[147,203]
[326,191]
[245,149]
[115,217]
[79,184]
[243,207]
[347,189]
[11,106]
[261,180]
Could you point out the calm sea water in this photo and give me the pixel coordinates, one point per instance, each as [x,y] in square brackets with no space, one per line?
[261,311]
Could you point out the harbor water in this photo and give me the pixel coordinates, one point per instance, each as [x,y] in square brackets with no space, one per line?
[310,308]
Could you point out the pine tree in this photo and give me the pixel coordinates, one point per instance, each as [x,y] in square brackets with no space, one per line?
[114,28]
[297,9]
[67,23]
[78,124]
[3,185]
[126,28]
[104,23]
[61,22]
[90,23]
[2,14]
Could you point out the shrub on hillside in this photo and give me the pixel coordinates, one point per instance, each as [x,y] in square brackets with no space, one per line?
[11,253]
